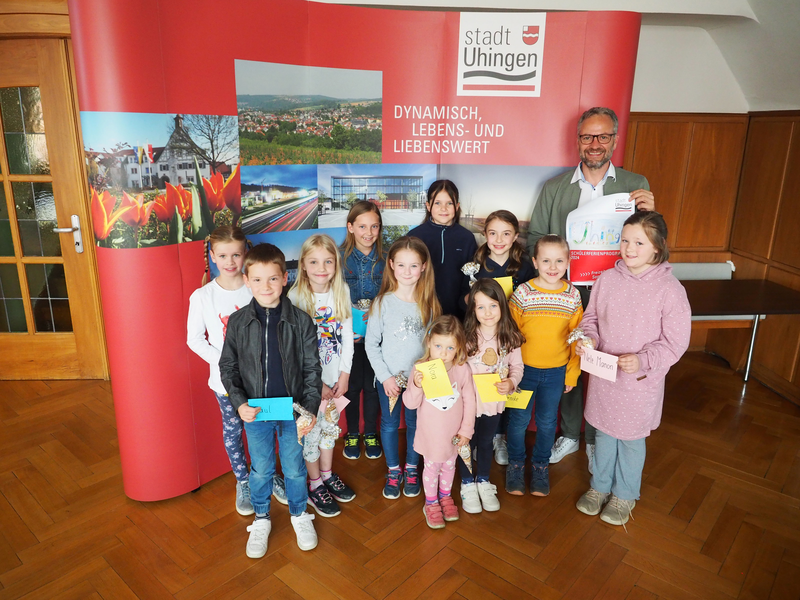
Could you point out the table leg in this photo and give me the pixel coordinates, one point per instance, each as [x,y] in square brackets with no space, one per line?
[752,345]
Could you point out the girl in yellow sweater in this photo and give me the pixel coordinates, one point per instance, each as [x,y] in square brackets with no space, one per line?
[546,309]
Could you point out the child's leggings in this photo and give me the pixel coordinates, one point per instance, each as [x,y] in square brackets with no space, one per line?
[438,477]
[232,428]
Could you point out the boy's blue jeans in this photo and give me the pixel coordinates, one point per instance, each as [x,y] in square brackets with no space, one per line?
[261,437]
[547,386]
[390,424]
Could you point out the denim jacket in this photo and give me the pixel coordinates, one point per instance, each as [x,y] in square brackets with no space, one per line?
[363,273]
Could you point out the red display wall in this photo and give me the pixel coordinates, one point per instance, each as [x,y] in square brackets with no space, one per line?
[177,56]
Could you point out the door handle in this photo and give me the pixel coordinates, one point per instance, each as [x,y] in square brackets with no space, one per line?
[75,230]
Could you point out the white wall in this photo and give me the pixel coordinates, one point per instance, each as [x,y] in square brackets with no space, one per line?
[681,69]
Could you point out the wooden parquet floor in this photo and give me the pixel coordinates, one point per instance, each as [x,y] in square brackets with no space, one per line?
[719,516]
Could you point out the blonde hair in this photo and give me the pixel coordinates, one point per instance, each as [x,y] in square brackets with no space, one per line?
[222,235]
[362,207]
[449,326]
[424,291]
[305,295]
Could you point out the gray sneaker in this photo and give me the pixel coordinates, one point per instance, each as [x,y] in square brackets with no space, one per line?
[500,449]
[591,503]
[617,511]
[279,490]
[243,505]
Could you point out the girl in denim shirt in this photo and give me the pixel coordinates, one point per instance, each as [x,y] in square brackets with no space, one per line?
[364,261]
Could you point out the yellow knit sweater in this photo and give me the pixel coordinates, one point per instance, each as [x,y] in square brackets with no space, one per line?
[546,318]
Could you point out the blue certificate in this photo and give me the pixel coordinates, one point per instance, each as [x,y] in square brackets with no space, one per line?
[273,409]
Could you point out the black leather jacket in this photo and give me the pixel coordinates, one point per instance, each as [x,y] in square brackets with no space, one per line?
[241,366]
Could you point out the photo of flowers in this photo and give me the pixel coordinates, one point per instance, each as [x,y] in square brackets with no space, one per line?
[158,179]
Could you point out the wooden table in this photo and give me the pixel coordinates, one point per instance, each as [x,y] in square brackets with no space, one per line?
[747,298]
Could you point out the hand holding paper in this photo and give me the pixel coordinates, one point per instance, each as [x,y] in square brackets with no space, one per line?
[599,364]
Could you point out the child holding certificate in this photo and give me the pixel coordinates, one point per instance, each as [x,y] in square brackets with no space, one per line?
[270,351]
[445,422]
[639,312]
[493,348]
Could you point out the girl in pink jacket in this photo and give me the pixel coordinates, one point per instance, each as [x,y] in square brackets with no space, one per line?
[446,423]
[639,312]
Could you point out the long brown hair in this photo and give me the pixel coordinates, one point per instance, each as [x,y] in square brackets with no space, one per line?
[446,325]
[425,290]
[515,253]
[449,188]
[362,207]
[223,235]
[508,334]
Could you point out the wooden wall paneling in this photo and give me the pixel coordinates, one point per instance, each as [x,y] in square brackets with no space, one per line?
[786,247]
[698,256]
[778,341]
[712,178]
[660,154]
[34,18]
[761,184]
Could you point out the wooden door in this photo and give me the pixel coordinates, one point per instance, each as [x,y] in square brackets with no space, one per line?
[50,325]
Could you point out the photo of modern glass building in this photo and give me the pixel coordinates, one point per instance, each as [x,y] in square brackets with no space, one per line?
[387,191]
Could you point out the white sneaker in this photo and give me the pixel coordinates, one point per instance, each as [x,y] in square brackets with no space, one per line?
[470,501]
[590,455]
[562,448]
[304,529]
[500,450]
[259,536]
[488,494]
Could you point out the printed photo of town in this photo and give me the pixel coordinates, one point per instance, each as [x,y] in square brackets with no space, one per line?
[150,173]
[293,114]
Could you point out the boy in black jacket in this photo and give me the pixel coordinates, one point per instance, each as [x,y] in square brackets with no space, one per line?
[270,351]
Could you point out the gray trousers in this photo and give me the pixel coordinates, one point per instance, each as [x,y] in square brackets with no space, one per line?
[572,402]
[618,466]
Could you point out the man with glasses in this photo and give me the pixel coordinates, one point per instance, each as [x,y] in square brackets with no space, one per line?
[595,176]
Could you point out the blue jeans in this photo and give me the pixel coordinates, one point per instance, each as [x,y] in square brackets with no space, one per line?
[618,466]
[390,424]
[261,437]
[547,386]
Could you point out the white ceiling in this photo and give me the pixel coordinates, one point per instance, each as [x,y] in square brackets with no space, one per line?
[759,40]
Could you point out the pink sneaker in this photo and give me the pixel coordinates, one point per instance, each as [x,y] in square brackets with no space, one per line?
[449,508]
[433,515]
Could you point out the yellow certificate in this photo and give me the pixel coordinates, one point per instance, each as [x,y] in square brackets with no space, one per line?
[435,382]
[519,399]
[486,389]
[507,284]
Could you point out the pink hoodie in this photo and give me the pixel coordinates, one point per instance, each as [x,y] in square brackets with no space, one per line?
[648,315]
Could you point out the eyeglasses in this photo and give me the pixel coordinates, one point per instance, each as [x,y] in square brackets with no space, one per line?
[603,138]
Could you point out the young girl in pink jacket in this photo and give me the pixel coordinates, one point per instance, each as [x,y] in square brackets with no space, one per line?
[639,312]
[446,423]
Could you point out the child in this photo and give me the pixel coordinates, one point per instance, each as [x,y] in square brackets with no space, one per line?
[442,419]
[450,244]
[320,291]
[500,256]
[493,346]
[639,312]
[401,312]
[271,352]
[364,262]
[546,309]
[209,309]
